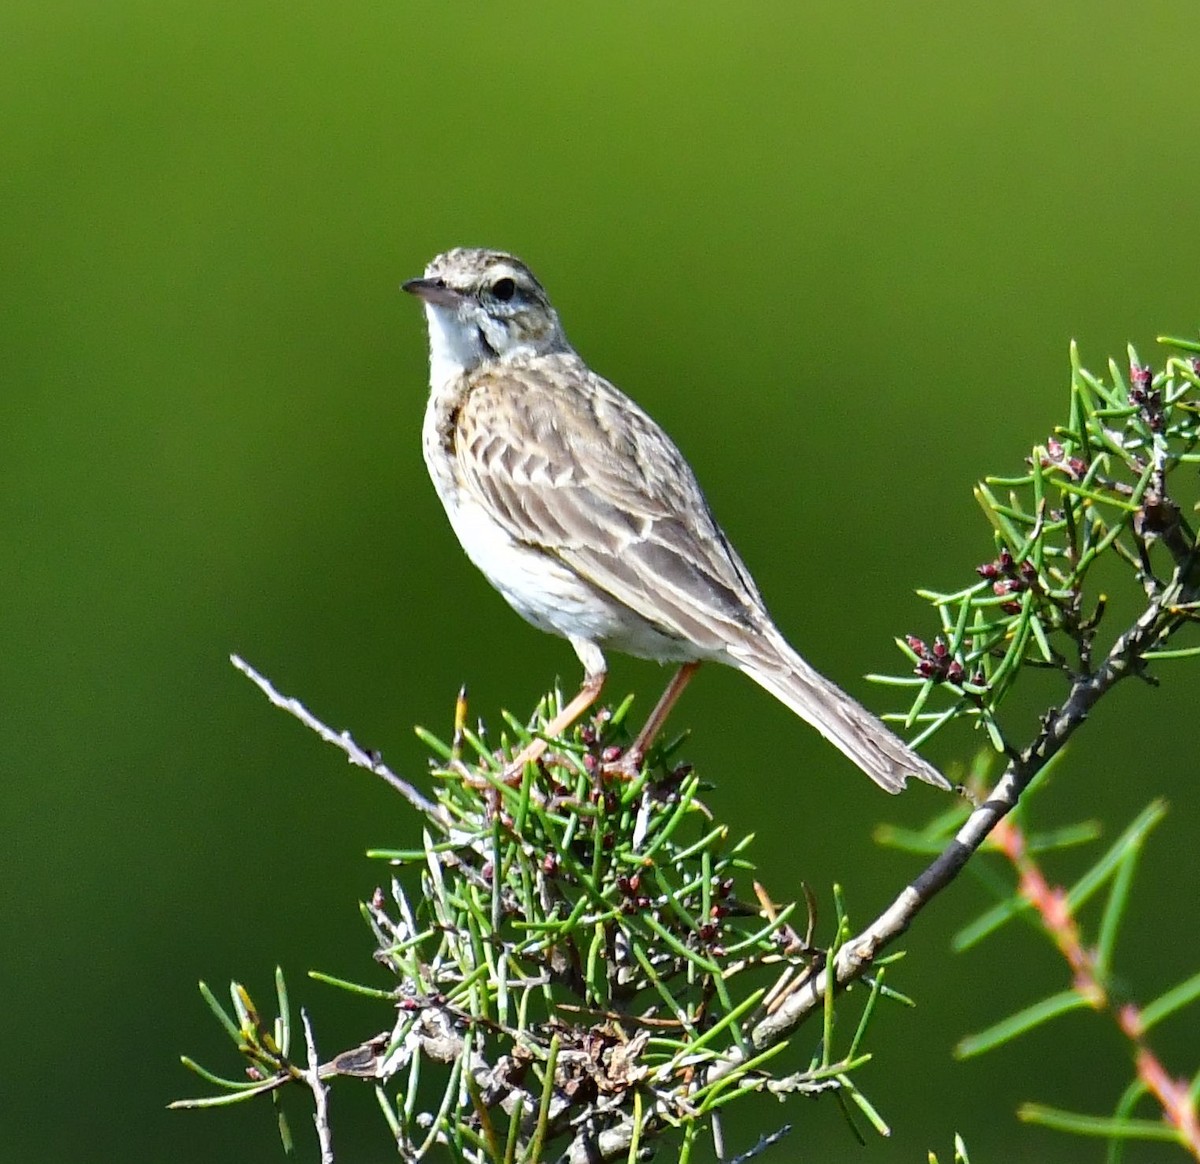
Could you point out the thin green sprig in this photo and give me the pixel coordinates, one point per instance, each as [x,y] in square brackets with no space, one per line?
[576,941]
[1095,491]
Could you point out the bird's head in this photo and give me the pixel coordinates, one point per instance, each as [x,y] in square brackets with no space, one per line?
[484,305]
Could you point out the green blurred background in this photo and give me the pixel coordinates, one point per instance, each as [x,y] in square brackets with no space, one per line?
[838,249]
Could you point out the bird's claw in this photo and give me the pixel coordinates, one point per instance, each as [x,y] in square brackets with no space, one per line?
[627,766]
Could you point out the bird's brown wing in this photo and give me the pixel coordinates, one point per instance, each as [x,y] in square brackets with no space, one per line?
[568,464]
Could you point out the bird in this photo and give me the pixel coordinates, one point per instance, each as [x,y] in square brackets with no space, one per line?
[582,512]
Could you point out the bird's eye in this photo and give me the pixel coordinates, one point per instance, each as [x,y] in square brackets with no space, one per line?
[504,289]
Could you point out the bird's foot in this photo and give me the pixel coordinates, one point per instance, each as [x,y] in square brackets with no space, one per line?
[627,766]
[514,770]
[513,774]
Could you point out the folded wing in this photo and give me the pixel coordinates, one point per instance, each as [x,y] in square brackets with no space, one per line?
[587,476]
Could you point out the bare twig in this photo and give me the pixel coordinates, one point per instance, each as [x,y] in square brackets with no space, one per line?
[343,740]
[857,955]
[320,1092]
[764,1142]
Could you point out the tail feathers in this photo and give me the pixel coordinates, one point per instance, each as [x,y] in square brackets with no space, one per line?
[844,722]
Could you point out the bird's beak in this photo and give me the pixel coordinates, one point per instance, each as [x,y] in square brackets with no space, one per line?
[432,291]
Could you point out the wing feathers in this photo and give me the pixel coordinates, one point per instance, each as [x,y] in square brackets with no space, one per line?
[590,478]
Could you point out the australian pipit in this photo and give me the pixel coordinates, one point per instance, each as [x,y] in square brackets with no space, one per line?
[581,511]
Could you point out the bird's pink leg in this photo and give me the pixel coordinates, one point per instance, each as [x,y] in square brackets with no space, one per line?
[588,694]
[636,753]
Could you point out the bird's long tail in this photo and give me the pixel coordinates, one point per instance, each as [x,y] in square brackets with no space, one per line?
[842,720]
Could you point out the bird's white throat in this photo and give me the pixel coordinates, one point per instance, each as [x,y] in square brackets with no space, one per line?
[455,346]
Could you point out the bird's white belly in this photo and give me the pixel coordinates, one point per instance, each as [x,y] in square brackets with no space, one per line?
[551,596]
